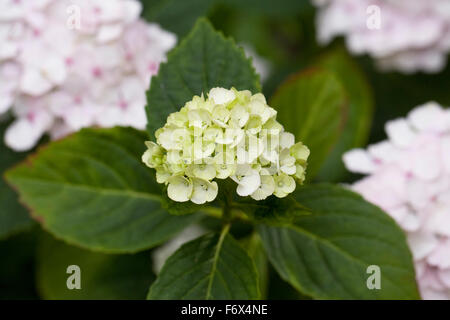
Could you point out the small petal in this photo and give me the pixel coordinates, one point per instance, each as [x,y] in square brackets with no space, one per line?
[179,189]
[359,161]
[204,191]
[220,115]
[383,152]
[284,185]
[400,132]
[24,133]
[221,95]
[202,171]
[162,175]
[254,125]
[266,188]
[422,244]
[33,83]
[240,115]
[300,152]
[429,117]
[248,180]
[109,32]
[441,255]
[287,140]
[199,118]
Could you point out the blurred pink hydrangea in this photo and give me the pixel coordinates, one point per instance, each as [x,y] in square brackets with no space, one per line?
[68,64]
[413,35]
[409,177]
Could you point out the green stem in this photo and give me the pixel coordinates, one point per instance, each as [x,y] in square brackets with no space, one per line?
[227,213]
[212,211]
[239,211]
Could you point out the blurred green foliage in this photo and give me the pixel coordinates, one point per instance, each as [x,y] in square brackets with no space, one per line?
[13,216]
[17,267]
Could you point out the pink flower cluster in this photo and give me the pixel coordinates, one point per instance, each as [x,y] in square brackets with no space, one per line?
[413,35]
[409,177]
[69,64]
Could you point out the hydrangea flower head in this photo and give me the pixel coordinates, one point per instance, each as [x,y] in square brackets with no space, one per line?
[69,64]
[409,177]
[230,134]
[408,36]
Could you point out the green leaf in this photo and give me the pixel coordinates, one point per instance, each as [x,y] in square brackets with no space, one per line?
[91,189]
[204,60]
[281,290]
[102,276]
[267,7]
[360,110]
[177,16]
[312,105]
[325,255]
[253,245]
[210,267]
[13,217]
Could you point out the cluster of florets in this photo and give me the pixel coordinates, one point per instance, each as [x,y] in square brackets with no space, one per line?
[231,134]
[69,64]
[409,177]
[404,35]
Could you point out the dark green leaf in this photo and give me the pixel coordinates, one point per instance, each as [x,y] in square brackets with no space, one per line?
[13,216]
[92,190]
[102,276]
[280,289]
[267,7]
[210,267]
[253,245]
[204,60]
[312,105]
[325,255]
[273,210]
[360,109]
[177,16]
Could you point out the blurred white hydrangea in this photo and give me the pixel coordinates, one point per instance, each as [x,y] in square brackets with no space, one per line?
[231,134]
[413,35]
[68,64]
[409,177]
[261,65]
